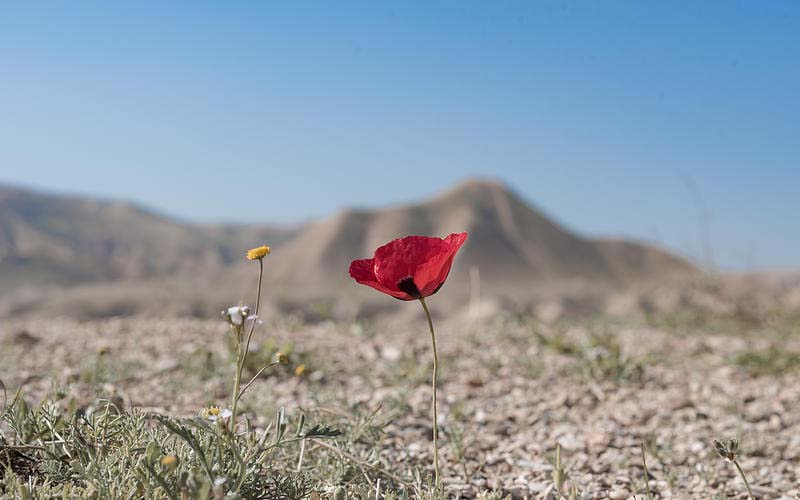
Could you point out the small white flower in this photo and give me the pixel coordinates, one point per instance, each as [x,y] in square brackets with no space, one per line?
[236,315]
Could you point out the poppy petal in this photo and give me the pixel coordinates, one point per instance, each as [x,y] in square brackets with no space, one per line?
[409,268]
[455,240]
[402,258]
[432,274]
[363,271]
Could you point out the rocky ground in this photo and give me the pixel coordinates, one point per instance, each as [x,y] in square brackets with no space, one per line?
[511,391]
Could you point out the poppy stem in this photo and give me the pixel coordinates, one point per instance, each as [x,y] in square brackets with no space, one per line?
[241,356]
[433,386]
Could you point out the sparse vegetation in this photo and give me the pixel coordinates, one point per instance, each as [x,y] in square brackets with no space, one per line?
[372,451]
[772,361]
[544,412]
[597,357]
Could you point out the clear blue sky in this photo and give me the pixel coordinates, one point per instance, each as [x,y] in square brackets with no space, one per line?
[618,118]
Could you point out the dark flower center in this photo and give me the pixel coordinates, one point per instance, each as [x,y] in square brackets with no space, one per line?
[407,285]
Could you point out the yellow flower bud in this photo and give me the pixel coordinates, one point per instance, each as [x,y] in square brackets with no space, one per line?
[282,358]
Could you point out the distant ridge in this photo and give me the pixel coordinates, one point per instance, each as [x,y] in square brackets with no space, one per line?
[122,258]
[68,240]
[512,244]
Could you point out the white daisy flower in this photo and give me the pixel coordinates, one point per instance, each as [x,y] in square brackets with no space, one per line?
[214,413]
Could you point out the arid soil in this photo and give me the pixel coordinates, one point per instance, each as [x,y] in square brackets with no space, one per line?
[511,390]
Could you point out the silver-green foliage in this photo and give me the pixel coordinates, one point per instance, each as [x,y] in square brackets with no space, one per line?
[106,453]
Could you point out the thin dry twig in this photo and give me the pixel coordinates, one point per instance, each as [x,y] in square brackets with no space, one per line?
[5,396]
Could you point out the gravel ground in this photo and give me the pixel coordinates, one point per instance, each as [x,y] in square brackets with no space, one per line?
[512,389]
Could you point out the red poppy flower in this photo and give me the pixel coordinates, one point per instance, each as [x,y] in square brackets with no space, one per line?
[409,268]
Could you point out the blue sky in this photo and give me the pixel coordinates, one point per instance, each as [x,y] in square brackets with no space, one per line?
[675,122]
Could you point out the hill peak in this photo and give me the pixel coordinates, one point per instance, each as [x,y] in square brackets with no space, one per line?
[472,186]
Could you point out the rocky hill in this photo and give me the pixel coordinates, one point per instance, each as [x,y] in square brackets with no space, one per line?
[110,258]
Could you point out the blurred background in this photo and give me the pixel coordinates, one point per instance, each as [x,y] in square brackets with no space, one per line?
[618,157]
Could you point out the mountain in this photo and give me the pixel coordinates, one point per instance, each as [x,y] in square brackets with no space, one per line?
[122,259]
[514,247]
[68,240]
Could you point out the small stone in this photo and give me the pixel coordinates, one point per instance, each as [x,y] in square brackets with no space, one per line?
[391,353]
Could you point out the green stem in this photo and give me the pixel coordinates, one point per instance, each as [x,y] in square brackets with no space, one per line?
[258,303]
[241,393]
[237,381]
[433,386]
[242,356]
[744,478]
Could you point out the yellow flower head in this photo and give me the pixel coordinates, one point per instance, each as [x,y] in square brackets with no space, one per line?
[169,461]
[282,358]
[258,253]
[300,370]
